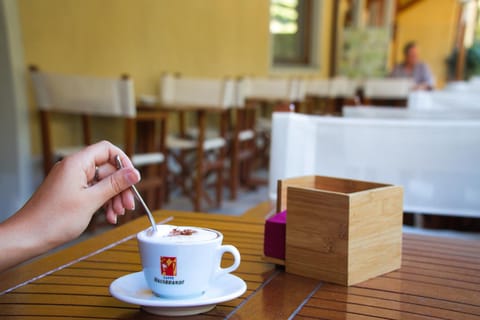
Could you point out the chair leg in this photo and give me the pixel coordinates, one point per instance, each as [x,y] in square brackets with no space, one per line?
[197,185]
[234,165]
[163,185]
[234,168]
[219,186]
[197,196]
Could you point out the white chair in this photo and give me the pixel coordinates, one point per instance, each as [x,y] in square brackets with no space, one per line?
[341,87]
[243,151]
[387,91]
[315,87]
[88,97]
[265,94]
[269,89]
[205,97]
[330,94]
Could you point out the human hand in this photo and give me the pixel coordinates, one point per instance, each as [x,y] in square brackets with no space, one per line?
[64,204]
[422,87]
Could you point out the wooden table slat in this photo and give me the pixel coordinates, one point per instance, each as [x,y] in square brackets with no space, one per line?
[404,297]
[423,290]
[433,241]
[439,274]
[445,269]
[443,262]
[336,311]
[427,279]
[395,305]
[453,251]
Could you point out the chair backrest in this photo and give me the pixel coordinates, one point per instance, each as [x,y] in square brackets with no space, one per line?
[83,94]
[338,87]
[268,88]
[182,91]
[315,87]
[343,87]
[387,88]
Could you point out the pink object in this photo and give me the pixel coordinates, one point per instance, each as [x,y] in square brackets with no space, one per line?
[275,230]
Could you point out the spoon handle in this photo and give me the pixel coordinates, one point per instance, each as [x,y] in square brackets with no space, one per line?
[138,196]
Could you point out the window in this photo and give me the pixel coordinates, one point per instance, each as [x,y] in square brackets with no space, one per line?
[291,24]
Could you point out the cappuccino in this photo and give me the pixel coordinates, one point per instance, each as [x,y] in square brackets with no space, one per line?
[176,234]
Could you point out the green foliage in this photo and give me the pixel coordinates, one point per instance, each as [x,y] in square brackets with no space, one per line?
[472,61]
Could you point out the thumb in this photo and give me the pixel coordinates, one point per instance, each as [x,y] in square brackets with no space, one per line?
[112,185]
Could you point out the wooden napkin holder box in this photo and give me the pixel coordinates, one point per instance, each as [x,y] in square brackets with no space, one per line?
[340,230]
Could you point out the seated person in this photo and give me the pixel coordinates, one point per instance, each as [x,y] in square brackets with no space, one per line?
[413,68]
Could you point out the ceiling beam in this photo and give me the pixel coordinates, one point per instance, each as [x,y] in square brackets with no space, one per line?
[405,5]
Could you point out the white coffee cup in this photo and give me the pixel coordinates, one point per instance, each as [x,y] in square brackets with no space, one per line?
[182,262]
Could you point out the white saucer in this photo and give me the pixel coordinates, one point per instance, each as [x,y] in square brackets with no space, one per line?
[132,288]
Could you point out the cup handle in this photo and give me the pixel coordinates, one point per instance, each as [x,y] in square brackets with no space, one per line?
[236,260]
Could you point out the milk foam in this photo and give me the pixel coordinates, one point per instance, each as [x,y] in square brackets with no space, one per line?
[170,234]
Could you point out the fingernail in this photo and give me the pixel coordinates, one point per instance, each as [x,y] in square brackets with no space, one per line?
[115,219]
[132,176]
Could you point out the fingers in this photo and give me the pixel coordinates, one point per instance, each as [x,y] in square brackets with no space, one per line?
[113,184]
[109,213]
[128,199]
[117,205]
[107,185]
[125,199]
[103,171]
[105,152]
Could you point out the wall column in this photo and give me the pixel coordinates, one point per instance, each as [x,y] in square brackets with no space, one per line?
[15,159]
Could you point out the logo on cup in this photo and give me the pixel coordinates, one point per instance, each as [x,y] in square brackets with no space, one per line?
[168,266]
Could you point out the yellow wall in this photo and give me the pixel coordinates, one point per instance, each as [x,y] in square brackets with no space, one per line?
[147,37]
[432,24]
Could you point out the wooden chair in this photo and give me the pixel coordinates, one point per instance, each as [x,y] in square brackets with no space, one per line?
[264,95]
[209,99]
[243,149]
[327,95]
[386,92]
[316,95]
[88,97]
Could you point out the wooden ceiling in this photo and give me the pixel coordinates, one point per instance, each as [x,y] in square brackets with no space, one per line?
[405,4]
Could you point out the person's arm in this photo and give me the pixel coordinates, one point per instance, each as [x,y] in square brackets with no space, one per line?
[62,207]
[397,72]
[425,79]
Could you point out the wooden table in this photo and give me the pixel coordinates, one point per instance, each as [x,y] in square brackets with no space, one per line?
[439,279]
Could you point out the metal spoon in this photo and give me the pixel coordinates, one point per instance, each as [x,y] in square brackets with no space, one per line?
[135,192]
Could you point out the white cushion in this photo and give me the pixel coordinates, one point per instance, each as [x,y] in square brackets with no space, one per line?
[246,135]
[264,124]
[174,142]
[142,159]
[214,143]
